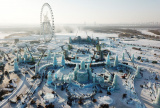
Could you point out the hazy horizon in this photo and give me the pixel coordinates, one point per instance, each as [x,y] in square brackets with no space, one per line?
[22,12]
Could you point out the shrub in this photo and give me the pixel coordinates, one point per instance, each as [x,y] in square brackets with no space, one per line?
[94,100]
[154,62]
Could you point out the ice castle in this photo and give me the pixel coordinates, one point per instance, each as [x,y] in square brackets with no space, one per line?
[82,75]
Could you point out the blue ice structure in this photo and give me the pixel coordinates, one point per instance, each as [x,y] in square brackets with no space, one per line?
[49,55]
[89,72]
[82,65]
[116,61]
[62,78]
[70,40]
[16,68]
[55,61]
[17,54]
[89,58]
[55,76]
[19,59]
[96,56]
[25,56]
[49,78]
[132,59]
[82,75]
[36,68]
[138,75]
[123,57]
[157,101]
[115,82]
[108,61]
[110,78]
[55,87]
[63,61]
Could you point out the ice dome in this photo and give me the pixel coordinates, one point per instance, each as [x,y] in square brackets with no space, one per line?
[49,97]
[106,100]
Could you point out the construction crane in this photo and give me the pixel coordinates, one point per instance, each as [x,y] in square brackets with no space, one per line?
[30,53]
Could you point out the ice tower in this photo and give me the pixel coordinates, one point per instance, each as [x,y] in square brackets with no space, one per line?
[49,55]
[55,61]
[63,61]
[132,59]
[49,80]
[108,61]
[36,68]
[115,82]
[157,101]
[116,61]
[138,75]
[123,57]
[82,65]
[16,68]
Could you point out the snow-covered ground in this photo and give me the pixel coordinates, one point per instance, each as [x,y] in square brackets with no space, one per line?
[144,31]
[144,42]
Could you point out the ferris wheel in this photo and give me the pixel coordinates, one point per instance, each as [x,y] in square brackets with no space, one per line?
[47,23]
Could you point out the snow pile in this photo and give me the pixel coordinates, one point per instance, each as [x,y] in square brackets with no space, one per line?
[106,100]
[49,97]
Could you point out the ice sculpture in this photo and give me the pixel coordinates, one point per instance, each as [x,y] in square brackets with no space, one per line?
[25,60]
[75,74]
[94,79]
[96,56]
[132,59]
[82,65]
[55,87]
[108,61]
[89,72]
[30,56]
[17,54]
[69,79]
[49,55]
[3,59]
[49,80]
[62,78]
[75,57]
[36,68]
[55,61]
[70,40]
[110,78]
[16,68]
[25,56]
[116,61]
[63,61]
[123,57]
[55,76]
[89,58]
[77,67]
[157,101]
[19,59]
[138,75]
[115,82]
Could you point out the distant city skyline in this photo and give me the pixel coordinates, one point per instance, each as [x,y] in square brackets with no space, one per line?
[18,12]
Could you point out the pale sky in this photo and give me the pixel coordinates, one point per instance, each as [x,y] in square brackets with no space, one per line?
[80,11]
